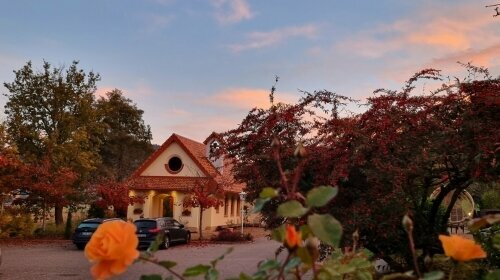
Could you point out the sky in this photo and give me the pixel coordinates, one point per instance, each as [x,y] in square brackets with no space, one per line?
[197,66]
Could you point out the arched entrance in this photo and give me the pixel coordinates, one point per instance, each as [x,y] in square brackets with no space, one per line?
[163,205]
[168,206]
[461,212]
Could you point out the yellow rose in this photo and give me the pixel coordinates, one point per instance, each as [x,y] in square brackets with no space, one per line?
[292,238]
[112,248]
[461,249]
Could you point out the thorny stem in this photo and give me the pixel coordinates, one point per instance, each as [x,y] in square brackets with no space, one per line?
[315,270]
[284,180]
[155,261]
[282,269]
[452,271]
[296,179]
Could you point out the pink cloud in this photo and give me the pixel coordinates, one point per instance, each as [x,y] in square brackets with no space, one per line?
[429,30]
[428,38]
[481,57]
[258,40]
[246,98]
[231,11]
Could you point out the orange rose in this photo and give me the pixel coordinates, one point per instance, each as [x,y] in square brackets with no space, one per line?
[292,238]
[461,249]
[112,248]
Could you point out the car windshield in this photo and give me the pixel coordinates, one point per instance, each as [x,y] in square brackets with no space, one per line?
[145,224]
[88,225]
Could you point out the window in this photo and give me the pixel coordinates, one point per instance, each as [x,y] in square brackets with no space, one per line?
[174,164]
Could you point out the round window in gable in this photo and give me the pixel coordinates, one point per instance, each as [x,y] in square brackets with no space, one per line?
[174,164]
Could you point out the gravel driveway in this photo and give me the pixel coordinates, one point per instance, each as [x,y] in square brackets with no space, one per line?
[61,260]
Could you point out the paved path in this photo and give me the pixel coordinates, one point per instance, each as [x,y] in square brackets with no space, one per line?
[61,260]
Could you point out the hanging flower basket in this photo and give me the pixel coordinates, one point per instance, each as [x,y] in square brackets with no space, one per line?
[186,212]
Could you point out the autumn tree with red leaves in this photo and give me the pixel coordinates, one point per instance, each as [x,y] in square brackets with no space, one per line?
[113,193]
[45,186]
[203,195]
[387,160]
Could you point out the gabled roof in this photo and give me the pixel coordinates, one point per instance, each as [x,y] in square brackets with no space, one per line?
[197,152]
[213,135]
[194,149]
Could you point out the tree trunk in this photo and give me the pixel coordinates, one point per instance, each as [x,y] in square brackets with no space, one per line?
[44,215]
[58,213]
[69,223]
[200,227]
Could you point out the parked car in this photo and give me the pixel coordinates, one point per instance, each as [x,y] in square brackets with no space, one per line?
[169,229]
[85,229]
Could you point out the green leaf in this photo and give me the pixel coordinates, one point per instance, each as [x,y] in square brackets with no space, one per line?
[294,262]
[269,264]
[196,270]
[305,230]
[155,245]
[243,276]
[367,253]
[361,263]
[167,264]
[320,196]
[364,275]
[259,204]
[326,228]
[329,272]
[434,275]
[496,241]
[304,255]
[278,234]
[268,193]
[346,269]
[291,209]
[212,274]
[151,277]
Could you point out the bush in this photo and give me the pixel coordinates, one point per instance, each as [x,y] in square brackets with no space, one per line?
[18,225]
[231,236]
[51,230]
[485,238]
[491,199]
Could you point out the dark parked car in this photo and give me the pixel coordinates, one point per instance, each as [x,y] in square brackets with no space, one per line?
[169,229]
[85,229]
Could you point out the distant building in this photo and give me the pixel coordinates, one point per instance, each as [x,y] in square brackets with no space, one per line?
[165,179]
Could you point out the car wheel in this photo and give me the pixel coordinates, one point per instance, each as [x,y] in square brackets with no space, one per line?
[80,246]
[166,242]
[188,238]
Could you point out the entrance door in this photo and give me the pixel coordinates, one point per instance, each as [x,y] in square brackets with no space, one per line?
[168,207]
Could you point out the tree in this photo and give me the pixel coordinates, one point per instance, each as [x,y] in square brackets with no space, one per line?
[46,188]
[12,170]
[50,115]
[385,161]
[251,146]
[497,9]
[203,195]
[126,141]
[109,193]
